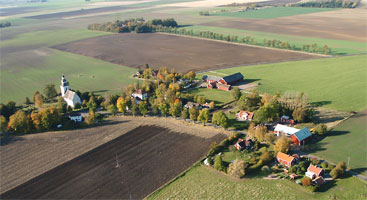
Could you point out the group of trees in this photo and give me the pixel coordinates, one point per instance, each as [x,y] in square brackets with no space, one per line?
[5,24]
[138,25]
[329,4]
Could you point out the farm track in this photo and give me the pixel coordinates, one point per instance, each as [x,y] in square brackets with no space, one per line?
[135,164]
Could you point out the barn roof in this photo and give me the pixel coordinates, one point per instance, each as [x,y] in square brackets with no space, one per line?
[213,78]
[232,78]
[302,134]
[286,129]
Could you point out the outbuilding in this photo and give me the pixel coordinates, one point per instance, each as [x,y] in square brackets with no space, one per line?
[301,136]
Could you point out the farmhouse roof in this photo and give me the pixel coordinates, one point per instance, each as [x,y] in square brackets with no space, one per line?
[69,95]
[140,92]
[285,129]
[303,134]
[285,157]
[314,169]
[223,86]
[234,77]
[213,78]
[249,114]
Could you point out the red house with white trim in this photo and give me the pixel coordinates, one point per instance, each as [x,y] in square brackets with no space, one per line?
[287,160]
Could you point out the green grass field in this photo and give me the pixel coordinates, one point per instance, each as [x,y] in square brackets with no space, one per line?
[346,140]
[219,97]
[203,183]
[337,46]
[272,12]
[50,38]
[337,83]
[22,79]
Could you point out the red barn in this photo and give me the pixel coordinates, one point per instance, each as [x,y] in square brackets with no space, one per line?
[231,79]
[301,136]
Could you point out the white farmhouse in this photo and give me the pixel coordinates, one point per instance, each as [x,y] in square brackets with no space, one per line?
[69,96]
[140,94]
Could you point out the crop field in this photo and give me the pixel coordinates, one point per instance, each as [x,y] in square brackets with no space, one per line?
[180,53]
[156,155]
[24,72]
[347,140]
[203,183]
[337,83]
[326,26]
[338,47]
[272,12]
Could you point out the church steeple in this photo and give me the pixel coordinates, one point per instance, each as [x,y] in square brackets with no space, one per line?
[64,85]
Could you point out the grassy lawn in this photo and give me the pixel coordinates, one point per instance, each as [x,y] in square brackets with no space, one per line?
[203,183]
[337,46]
[22,77]
[346,140]
[219,97]
[273,12]
[336,83]
[50,38]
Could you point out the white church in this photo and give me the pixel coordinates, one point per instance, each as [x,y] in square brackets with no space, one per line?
[69,96]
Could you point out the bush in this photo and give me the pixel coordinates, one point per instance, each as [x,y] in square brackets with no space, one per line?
[266,157]
[320,129]
[218,164]
[232,148]
[306,181]
[237,168]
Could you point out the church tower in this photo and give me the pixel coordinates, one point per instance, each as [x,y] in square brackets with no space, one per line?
[64,86]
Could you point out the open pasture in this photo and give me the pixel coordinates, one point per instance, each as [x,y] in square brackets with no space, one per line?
[347,140]
[149,156]
[201,182]
[345,24]
[337,83]
[180,53]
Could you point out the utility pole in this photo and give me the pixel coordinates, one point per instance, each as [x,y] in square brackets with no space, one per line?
[348,161]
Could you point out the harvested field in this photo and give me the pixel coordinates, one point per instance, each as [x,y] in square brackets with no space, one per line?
[79,12]
[181,53]
[25,157]
[130,166]
[346,24]
[16,10]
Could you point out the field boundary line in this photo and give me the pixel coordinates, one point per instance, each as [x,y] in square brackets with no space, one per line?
[248,45]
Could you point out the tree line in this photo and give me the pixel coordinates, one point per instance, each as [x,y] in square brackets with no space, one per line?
[5,24]
[138,25]
[313,48]
[329,4]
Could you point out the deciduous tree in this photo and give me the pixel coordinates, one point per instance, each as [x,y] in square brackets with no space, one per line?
[282,144]
[50,91]
[204,116]
[18,122]
[235,93]
[193,113]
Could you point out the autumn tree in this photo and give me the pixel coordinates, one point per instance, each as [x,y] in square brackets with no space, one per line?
[302,114]
[190,75]
[282,144]
[49,91]
[250,101]
[175,109]
[50,117]
[91,119]
[211,105]
[134,109]
[237,168]
[112,109]
[251,130]
[36,121]
[3,123]
[92,105]
[143,107]
[260,132]
[121,105]
[204,116]
[38,100]
[19,122]
[193,113]
[306,181]
[184,113]
[235,93]
[321,129]
[270,138]
[163,107]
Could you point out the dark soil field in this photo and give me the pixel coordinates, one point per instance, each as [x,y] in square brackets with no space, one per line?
[346,24]
[17,10]
[79,12]
[130,166]
[181,53]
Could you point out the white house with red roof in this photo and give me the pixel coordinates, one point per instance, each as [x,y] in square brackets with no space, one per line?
[314,171]
[140,94]
[244,116]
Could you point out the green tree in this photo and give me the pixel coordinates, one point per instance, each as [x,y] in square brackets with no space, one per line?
[321,129]
[267,113]
[235,93]
[175,109]
[260,132]
[193,113]
[302,114]
[27,101]
[218,164]
[3,123]
[143,107]
[220,118]
[61,105]
[50,118]
[49,91]
[112,109]
[134,109]
[250,101]
[184,113]
[204,116]
[163,107]
[92,105]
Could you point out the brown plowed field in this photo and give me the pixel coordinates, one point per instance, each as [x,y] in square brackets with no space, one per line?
[181,53]
[25,157]
[346,24]
[136,164]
